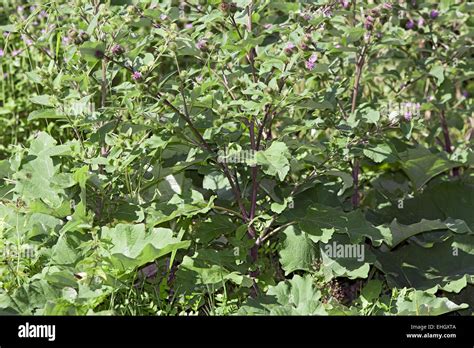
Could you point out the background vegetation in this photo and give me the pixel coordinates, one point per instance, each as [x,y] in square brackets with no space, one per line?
[203,157]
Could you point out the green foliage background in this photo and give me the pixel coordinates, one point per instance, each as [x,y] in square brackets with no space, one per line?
[200,157]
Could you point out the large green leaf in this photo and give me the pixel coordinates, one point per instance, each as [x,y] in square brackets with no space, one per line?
[31,297]
[178,205]
[210,269]
[399,233]
[46,100]
[216,226]
[454,200]
[45,114]
[321,222]
[442,265]
[343,258]
[35,179]
[39,178]
[297,296]
[133,245]
[421,165]
[298,251]
[423,303]
[274,160]
[380,153]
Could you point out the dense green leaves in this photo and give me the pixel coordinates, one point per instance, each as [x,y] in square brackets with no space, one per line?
[210,157]
[297,296]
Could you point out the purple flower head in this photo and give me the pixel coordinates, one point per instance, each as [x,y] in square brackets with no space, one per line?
[32,8]
[309,65]
[2,52]
[20,9]
[163,17]
[369,22]
[345,4]
[387,6]
[136,75]
[267,26]
[201,45]
[311,62]
[43,14]
[99,54]
[306,16]
[420,22]
[327,12]
[26,40]
[410,24]
[289,48]
[149,271]
[408,115]
[313,58]
[434,14]
[15,53]
[117,49]
[188,25]
[66,40]
[465,94]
